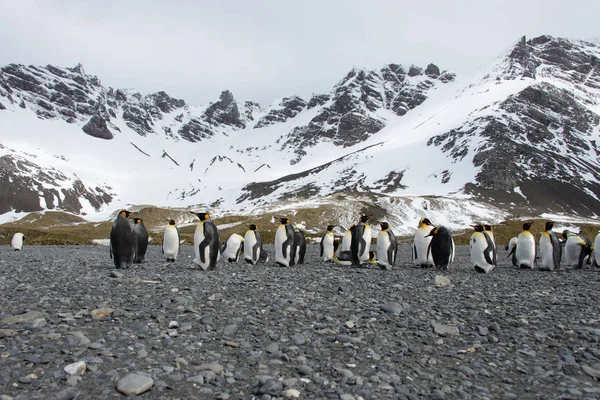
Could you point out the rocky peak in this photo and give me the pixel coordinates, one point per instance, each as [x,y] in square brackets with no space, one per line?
[225,111]
[283,110]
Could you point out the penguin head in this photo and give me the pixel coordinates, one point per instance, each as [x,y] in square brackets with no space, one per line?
[424,221]
[330,228]
[384,225]
[284,220]
[527,225]
[478,228]
[566,233]
[252,227]
[365,218]
[125,213]
[487,227]
[137,220]
[433,232]
[549,225]
[171,221]
[203,216]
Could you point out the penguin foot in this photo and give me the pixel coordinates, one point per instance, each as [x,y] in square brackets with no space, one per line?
[479,269]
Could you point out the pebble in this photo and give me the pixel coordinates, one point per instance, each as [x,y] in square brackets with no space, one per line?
[101,313]
[77,368]
[134,384]
[441,281]
[444,330]
[391,307]
[4,333]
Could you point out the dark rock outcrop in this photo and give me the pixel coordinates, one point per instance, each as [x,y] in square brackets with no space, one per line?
[96,127]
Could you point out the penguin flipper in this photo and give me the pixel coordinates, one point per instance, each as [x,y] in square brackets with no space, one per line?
[488,253]
[322,247]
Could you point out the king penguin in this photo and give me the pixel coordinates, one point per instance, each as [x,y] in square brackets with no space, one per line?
[252,245]
[300,243]
[341,257]
[232,248]
[346,241]
[511,247]
[361,241]
[206,242]
[550,249]
[170,246]
[285,248]
[421,242]
[483,250]
[387,246]
[596,252]
[441,247]
[122,246]
[141,240]
[487,229]
[326,244]
[577,249]
[525,251]
[17,241]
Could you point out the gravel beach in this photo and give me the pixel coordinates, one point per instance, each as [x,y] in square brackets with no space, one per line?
[72,326]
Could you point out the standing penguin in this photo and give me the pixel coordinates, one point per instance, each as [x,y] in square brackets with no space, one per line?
[361,241]
[483,250]
[386,246]
[487,229]
[550,249]
[300,244]
[596,251]
[327,244]
[170,246]
[233,247]
[252,245]
[511,247]
[346,241]
[206,242]
[285,249]
[577,249]
[341,257]
[122,246]
[140,239]
[420,255]
[441,247]
[525,251]
[17,241]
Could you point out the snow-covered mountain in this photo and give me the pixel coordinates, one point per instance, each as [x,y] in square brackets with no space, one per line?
[522,136]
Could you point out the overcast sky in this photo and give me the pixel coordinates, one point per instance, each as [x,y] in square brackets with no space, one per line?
[264,50]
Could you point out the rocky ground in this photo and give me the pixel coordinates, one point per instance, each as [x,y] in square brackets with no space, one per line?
[74,327]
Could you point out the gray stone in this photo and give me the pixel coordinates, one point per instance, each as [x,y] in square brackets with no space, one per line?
[134,384]
[391,307]
[24,318]
[445,330]
[230,330]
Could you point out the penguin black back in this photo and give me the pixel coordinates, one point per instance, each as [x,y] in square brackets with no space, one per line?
[441,247]
[122,246]
[300,244]
[140,240]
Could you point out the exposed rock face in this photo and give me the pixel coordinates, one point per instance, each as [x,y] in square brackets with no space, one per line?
[289,107]
[225,111]
[96,127]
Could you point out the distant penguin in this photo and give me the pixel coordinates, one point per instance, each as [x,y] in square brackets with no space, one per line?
[596,252]
[387,246]
[232,248]
[550,249]
[346,241]
[326,244]
[341,257]
[300,243]
[525,251]
[511,247]
[170,246]
[421,242]
[122,246]
[17,241]
[482,249]
[252,245]
[285,248]
[441,247]
[361,241]
[140,240]
[206,242]
[577,249]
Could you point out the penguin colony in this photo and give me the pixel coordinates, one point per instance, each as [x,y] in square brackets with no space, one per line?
[432,245]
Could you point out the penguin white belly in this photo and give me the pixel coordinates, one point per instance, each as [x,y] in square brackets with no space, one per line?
[346,242]
[546,253]
[232,247]
[364,256]
[249,243]
[420,246]
[17,241]
[597,250]
[171,243]
[328,247]
[525,252]
[573,248]
[280,238]
[198,238]
[478,245]
[383,244]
